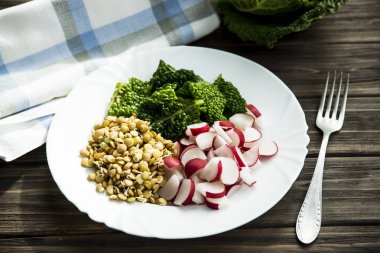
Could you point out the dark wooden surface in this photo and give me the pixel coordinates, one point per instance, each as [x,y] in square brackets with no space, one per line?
[36,217]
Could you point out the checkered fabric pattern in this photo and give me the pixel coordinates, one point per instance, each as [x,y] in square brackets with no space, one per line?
[47,46]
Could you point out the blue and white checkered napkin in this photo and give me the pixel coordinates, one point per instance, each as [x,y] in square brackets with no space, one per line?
[47,46]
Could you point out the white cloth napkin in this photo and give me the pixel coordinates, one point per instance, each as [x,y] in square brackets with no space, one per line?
[47,46]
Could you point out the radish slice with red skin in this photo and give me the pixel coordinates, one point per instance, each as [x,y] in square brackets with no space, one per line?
[251,156]
[217,203]
[246,176]
[186,142]
[239,157]
[242,120]
[232,189]
[205,140]
[230,171]
[267,148]
[256,165]
[251,109]
[185,193]
[198,128]
[211,190]
[259,123]
[252,144]
[226,124]
[194,166]
[236,136]
[187,148]
[212,170]
[218,173]
[218,142]
[172,163]
[198,198]
[210,154]
[221,132]
[192,153]
[177,149]
[251,134]
[224,151]
[188,133]
[169,190]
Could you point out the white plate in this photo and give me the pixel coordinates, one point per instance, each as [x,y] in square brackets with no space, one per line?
[87,104]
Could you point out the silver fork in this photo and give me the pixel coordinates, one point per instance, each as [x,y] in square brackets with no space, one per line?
[309,218]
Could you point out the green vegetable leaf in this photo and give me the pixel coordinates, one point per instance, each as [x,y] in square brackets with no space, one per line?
[235,102]
[268,30]
[214,101]
[125,100]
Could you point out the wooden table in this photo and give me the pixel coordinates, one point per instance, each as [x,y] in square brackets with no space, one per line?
[36,217]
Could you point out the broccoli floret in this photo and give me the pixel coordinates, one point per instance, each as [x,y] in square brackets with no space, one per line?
[214,101]
[125,100]
[235,102]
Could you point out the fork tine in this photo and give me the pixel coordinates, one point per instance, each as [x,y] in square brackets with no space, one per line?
[343,110]
[337,97]
[327,113]
[322,104]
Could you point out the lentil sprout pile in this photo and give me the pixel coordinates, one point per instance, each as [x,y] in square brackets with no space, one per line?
[128,159]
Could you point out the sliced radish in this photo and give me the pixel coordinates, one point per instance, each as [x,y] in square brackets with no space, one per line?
[236,136]
[242,120]
[251,134]
[239,157]
[185,192]
[172,163]
[230,171]
[246,176]
[267,148]
[256,165]
[212,170]
[186,142]
[198,198]
[221,132]
[198,128]
[205,140]
[248,145]
[226,124]
[259,123]
[217,203]
[169,190]
[210,154]
[251,109]
[211,190]
[218,142]
[192,153]
[224,151]
[232,189]
[194,166]
[177,149]
[186,149]
[251,156]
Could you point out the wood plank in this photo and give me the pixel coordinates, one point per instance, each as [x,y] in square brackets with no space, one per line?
[33,205]
[331,239]
[9,3]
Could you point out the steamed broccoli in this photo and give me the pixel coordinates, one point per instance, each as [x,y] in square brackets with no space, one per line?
[212,109]
[235,102]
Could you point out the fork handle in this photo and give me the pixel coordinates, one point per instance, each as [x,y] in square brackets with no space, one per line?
[309,218]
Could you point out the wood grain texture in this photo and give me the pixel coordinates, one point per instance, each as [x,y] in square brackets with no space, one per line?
[36,217]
